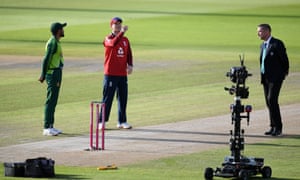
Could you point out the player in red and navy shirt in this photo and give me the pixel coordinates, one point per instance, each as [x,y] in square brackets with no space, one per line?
[118,64]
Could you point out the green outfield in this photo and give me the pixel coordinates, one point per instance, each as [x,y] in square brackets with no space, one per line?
[182,50]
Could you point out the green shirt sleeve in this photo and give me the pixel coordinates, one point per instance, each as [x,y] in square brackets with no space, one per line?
[51,48]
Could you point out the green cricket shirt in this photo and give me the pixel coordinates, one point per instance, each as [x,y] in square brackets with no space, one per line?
[53,56]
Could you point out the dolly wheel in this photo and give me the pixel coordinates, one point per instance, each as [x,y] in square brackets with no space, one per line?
[209,173]
[243,175]
[266,172]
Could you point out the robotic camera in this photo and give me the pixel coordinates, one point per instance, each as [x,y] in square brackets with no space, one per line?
[238,75]
[237,165]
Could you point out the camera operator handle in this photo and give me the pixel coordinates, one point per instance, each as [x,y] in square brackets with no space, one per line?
[230,90]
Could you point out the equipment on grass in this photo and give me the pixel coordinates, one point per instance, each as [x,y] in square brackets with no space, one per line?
[97,112]
[40,167]
[108,167]
[14,169]
[237,165]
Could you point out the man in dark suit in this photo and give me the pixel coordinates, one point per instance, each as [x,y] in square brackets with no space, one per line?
[274,67]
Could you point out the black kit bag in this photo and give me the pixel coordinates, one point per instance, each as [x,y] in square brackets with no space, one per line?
[14,169]
[39,167]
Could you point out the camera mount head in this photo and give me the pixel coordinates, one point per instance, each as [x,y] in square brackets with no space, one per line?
[238,75]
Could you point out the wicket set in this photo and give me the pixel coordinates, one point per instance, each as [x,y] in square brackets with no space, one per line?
[97,104]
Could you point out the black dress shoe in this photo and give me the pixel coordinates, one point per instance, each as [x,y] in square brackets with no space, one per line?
[277,133]
[270,132]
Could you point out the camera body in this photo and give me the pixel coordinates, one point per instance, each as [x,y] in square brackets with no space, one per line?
[238,75]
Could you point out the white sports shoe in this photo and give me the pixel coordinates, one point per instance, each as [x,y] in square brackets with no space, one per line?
[100,126]
[49,132]
[124,126]
[57,130]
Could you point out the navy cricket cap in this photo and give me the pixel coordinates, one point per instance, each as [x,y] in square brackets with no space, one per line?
[56,26]
[115,20]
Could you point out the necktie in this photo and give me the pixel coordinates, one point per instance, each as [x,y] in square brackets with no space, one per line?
[262,67]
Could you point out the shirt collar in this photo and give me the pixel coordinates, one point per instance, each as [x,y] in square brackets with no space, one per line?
[268,40]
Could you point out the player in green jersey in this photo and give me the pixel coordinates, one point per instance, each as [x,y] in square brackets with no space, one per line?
[52,66]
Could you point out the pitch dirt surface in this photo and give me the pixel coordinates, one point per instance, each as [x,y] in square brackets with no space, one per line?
[123,147]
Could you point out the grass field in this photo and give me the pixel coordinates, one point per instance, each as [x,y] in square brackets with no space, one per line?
[182,50]
[192,166]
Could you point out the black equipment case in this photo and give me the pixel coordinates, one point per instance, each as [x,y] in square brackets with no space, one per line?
[15,169]
[37,167]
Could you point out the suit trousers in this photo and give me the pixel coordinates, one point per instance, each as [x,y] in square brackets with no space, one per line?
[271,92]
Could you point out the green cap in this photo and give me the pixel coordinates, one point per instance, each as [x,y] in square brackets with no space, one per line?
[56,26]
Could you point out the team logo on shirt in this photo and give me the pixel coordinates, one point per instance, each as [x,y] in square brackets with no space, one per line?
[120,52]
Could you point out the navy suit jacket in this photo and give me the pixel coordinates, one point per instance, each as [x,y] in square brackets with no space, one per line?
[276,61]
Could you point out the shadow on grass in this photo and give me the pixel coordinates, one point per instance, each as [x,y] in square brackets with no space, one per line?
[164,139]
[170,140]
[69,176]
[78,177]
[295,136]
[209,141]
[290,136]
[63,135]
[272,178]
[180,132]
[277,145]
